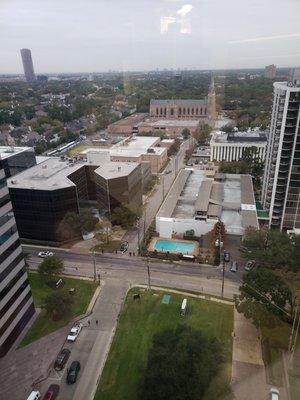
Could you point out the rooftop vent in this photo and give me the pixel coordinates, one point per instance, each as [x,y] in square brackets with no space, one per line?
[44,166]
[119,169]
[13,181]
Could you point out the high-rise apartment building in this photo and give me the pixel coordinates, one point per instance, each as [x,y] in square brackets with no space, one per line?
[28,65]
[16,303]
[281,185]
[270,71]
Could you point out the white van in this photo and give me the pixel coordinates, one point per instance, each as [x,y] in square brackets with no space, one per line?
[274,394]
[34,395]
[183,307]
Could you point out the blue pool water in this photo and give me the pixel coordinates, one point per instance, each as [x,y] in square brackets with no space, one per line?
[174,247]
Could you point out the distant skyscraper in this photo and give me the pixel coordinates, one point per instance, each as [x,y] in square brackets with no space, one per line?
[281,185]
[270,71]
[28,65]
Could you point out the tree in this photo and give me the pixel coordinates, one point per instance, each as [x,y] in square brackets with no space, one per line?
[185,133]
[263,290]
[271,249]
[58,303]
[87,221]
[124,217]
[69,227]
[202,134]
[181,365]
[50,267]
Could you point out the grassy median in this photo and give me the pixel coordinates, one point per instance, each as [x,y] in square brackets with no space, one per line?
[140,320]
[44,324]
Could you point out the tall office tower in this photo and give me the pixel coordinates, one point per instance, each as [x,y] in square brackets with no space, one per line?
[16,303]
[28,65]
[270,71]
[281,184]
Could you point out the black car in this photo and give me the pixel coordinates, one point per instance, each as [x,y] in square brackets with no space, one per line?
[226,256]
[61,359]
[73,372]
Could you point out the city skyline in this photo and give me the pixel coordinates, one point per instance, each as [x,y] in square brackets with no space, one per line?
[100,36]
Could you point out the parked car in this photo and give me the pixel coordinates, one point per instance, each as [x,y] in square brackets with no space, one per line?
[73,372]
[44,254]
[234,266]
[274,394]
[124,247]
[74,332]
[226,256]
[62,359]
[249,265]
[51,393]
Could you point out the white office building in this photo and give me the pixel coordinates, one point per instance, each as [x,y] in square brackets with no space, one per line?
[16,303]
[281,185]
[231,146]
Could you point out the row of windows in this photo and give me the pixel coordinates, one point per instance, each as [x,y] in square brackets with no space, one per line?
[4,200]
[14,314]
[6,235]
[3,183]
[182,111]
[6,217]
[7,271]
[14,298]
[9,250]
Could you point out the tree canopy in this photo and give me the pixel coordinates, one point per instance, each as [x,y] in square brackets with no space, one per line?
[181,365]
[124,217]
[262,290]
[50,267]
[58,303]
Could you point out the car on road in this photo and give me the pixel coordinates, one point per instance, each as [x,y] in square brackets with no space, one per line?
[274,394]
[62,359]
[234,266]
[73,372]
[226,256]
[124,247]
[74,332]
[52,392]
[44,254]
[249,265]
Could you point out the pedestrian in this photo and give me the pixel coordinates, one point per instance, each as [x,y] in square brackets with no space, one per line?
[130,253]
[116,251]
[96,322]
[89,322]
[102,251]
[133,254]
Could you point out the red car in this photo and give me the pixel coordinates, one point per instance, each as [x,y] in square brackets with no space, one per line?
[52,392]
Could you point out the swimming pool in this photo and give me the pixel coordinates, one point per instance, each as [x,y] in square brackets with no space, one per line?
[174,246]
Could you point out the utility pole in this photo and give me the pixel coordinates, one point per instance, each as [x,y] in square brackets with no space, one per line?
[94,262]
[294,334]
[148,271]
[138,227]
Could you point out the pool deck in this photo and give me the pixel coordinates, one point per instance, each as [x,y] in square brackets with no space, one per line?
[195,253]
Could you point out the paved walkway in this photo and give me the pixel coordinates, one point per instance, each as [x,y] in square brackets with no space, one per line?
[20,368]
[248,370]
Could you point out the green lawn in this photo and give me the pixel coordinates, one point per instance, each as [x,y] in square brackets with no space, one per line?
[140,320]
[44,324]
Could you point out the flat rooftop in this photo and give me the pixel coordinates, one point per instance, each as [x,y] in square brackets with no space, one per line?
[133,147]
[54,173]
[239,137]
[172,122]
[130,120]
[179,102]
[9,151]
[228,197]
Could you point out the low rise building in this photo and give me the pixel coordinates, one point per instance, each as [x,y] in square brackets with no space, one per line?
[170,127]
[126,126]
[135,149]
[198,199]
[231,146]
[43,194]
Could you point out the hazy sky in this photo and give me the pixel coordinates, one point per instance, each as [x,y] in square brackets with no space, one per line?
[97,35]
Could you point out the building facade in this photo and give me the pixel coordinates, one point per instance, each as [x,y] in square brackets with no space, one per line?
[232,146]
[42,195]
[28,65]
[270,71]
[281,184]
[16,303]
